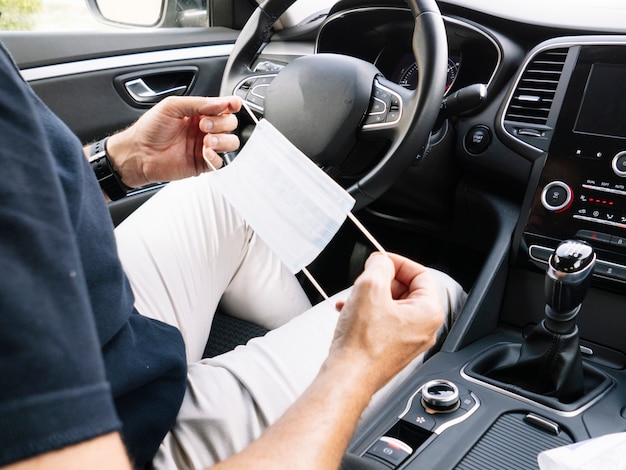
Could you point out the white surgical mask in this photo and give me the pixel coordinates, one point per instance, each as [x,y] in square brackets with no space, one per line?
[292,205]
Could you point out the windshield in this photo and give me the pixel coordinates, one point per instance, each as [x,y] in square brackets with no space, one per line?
[599,15]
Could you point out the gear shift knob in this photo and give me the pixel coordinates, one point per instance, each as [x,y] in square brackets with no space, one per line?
[568,278]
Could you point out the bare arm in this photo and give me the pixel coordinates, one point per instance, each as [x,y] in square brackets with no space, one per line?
[391,316]
[171,140]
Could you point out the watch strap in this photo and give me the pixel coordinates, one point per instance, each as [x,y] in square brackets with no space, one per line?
[109,179]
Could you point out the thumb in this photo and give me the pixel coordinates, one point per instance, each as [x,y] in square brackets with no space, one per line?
[379,264]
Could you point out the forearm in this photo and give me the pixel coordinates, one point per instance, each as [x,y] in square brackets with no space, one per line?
[316,430]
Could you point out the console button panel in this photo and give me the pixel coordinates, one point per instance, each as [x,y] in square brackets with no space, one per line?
[581,192]
[435,407]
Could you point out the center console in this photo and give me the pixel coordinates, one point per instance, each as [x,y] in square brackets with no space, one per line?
[582,188]
[454,412]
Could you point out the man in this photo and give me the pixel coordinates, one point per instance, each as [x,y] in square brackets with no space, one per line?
[99,362]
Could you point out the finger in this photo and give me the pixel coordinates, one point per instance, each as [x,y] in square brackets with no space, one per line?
[406,271]
[212,159]
[378,273]
[219,124]
[379,263]
[183,106]
[221,105]
[221,142]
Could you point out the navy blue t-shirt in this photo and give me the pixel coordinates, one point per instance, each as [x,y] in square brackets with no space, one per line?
[76,360]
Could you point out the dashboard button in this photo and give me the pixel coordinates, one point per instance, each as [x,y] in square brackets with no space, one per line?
[390,450]
[477,139]
[556,196]
[618,241]
[619,164]
[610,270]
[592,235]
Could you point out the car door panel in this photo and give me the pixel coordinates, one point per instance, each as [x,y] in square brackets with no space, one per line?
[83,82]
[36,48]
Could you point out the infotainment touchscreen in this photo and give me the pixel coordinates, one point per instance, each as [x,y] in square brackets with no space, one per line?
[603,109]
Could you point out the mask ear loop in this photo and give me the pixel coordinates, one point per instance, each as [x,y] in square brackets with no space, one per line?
[351,216]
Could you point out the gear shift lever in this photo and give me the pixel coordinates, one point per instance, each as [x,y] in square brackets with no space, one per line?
[549,362]
[567,281]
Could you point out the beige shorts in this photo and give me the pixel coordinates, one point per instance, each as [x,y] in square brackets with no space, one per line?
[186,251]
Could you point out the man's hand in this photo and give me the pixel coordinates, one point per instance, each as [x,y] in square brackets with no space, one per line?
[168,141]
[391,316]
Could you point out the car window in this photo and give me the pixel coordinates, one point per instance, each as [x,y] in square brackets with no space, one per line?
[74,15]
[47,15]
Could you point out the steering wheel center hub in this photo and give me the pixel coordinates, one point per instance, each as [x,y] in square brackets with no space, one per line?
[318,103]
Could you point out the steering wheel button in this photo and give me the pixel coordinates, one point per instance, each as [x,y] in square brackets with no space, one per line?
[382,95]
[265,80]
[375,119]
[393,116]
[378,106]
[258,100]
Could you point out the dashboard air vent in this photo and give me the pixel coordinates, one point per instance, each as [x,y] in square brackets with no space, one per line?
[533,97]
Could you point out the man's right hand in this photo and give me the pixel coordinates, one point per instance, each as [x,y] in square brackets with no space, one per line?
[391,316]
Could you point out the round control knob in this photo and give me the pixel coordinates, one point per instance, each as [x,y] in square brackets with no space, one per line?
[440,396]
[619,164]
[556,196]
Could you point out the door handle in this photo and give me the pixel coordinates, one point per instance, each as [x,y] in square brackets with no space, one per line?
[139,90]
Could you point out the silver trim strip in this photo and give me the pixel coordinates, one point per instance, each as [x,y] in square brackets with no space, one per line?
[528,401]
[107,63]
[543,423]
[447,424]
[599,221]
[460,419]
[605,264]
[605,190]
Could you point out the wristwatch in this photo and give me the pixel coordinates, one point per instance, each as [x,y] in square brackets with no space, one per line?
[109,179]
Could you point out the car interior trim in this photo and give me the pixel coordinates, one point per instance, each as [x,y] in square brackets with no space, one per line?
[565,42]
[447,425]
[528,401]
[108,63]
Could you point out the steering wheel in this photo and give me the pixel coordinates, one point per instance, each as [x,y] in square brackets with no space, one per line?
[326,103]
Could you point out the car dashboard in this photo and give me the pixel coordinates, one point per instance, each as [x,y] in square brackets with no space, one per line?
[541,160]
[382,36]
